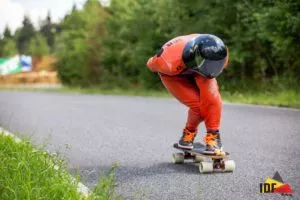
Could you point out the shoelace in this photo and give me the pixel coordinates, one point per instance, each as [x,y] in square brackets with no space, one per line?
[210,139]
[188,136]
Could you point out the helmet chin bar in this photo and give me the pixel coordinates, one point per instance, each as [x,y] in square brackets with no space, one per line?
[210,68]
[204,75]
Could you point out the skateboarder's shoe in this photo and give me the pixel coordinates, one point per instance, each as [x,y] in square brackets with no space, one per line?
[187,139]
[213,143]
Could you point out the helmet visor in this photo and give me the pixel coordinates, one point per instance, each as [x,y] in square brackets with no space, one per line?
[210,68]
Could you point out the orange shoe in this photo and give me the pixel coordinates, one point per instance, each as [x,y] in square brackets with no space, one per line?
[213,143]
[187,139]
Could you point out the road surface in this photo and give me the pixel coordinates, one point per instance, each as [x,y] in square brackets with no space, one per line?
[95,131]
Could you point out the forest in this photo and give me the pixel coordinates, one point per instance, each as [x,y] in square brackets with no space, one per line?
[109,46]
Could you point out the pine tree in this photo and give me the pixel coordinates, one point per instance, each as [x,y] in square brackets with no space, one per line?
[7,33]
[74,8]
[25,34]
[48,30]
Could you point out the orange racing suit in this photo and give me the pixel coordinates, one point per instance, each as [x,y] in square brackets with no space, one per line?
[199,94]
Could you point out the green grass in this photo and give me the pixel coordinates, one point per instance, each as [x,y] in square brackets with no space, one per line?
[30,173]
[105,189]
[95,90]
[281,98]
[288,98]
[114,91]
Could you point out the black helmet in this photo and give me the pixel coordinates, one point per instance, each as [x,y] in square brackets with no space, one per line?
[205,54]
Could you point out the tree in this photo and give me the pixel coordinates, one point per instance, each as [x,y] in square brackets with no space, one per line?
[25,34]
[133,36]
[78,47]
[95,16]
[49,30]
[71,51]
[7,33]
[264,42]
[74,7]
[38,46]
[112,45]
[9,48]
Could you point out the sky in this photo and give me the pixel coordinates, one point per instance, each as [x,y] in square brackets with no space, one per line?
[12,11]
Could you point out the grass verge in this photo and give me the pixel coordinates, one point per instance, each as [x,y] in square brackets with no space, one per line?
[288,98]
[27,172]
[281,98]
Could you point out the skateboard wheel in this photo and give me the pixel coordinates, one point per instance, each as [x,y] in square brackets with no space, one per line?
[178,158]
[198,159]
[206,167]
[229,165]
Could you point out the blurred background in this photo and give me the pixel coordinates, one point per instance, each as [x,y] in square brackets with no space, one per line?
[106,44]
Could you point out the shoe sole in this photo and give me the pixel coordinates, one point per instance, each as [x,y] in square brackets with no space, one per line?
[185,147]
[212,152]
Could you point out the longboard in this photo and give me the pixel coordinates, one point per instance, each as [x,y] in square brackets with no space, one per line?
[198,154]
[200,149]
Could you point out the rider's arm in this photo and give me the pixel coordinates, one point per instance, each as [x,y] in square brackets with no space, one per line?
[162,64]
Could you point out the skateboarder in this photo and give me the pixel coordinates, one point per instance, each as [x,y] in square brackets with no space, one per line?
[188,66]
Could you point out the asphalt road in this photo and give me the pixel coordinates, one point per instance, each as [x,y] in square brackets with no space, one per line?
[95,131]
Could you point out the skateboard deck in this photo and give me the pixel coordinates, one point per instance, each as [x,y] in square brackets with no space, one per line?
[217,162]
[200,149]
